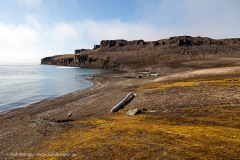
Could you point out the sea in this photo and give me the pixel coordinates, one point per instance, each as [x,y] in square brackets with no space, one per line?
[22,85]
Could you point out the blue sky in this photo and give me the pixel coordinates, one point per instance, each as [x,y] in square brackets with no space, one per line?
[33,29]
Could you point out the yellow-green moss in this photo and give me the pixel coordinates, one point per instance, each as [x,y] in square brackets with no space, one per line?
[190,83]
[151,136]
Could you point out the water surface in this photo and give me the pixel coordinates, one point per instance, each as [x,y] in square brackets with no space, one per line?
[21,85]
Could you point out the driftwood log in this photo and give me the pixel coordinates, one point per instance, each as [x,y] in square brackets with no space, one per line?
[125,100]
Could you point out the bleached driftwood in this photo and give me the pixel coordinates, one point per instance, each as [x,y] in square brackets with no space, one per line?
[123,102]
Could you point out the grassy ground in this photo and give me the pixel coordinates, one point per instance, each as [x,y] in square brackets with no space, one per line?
[190,132]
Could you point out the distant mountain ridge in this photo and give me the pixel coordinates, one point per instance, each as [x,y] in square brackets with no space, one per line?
[139,53]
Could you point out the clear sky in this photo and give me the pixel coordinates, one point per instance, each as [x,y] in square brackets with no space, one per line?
[33,29]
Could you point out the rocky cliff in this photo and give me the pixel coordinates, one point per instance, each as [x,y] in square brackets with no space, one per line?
[138,53]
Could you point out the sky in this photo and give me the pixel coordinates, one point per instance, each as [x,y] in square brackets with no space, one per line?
[33,29]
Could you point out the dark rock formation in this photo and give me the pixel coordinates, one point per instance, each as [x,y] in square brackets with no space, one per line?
[107,43]
[120,43]
[46,60]
[96,46]
[94,61]
[80,50]
[138,53]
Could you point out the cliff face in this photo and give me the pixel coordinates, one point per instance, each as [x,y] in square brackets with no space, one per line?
[61,60]
[138,53]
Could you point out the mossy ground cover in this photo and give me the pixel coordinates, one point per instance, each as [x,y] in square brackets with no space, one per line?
[235,81]
[190,132]
[151,137]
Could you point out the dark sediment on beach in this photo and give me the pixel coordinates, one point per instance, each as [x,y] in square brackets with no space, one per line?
[188,89]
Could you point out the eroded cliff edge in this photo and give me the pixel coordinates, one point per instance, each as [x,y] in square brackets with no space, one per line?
[122,54]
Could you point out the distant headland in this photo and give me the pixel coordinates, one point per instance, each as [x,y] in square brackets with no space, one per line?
[122,54]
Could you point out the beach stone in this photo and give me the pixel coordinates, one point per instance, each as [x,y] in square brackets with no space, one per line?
[69,114]
[133,112]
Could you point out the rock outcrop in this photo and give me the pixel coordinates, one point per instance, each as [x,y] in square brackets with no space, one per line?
[80,50]
[122,53]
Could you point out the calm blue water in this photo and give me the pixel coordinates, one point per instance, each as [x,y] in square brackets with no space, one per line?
[21,85]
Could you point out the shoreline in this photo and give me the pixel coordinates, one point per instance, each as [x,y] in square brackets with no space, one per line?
[22,119]
[36,97]
[53,98]
[47,99]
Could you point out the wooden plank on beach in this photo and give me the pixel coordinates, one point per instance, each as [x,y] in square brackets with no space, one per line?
[123,102]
